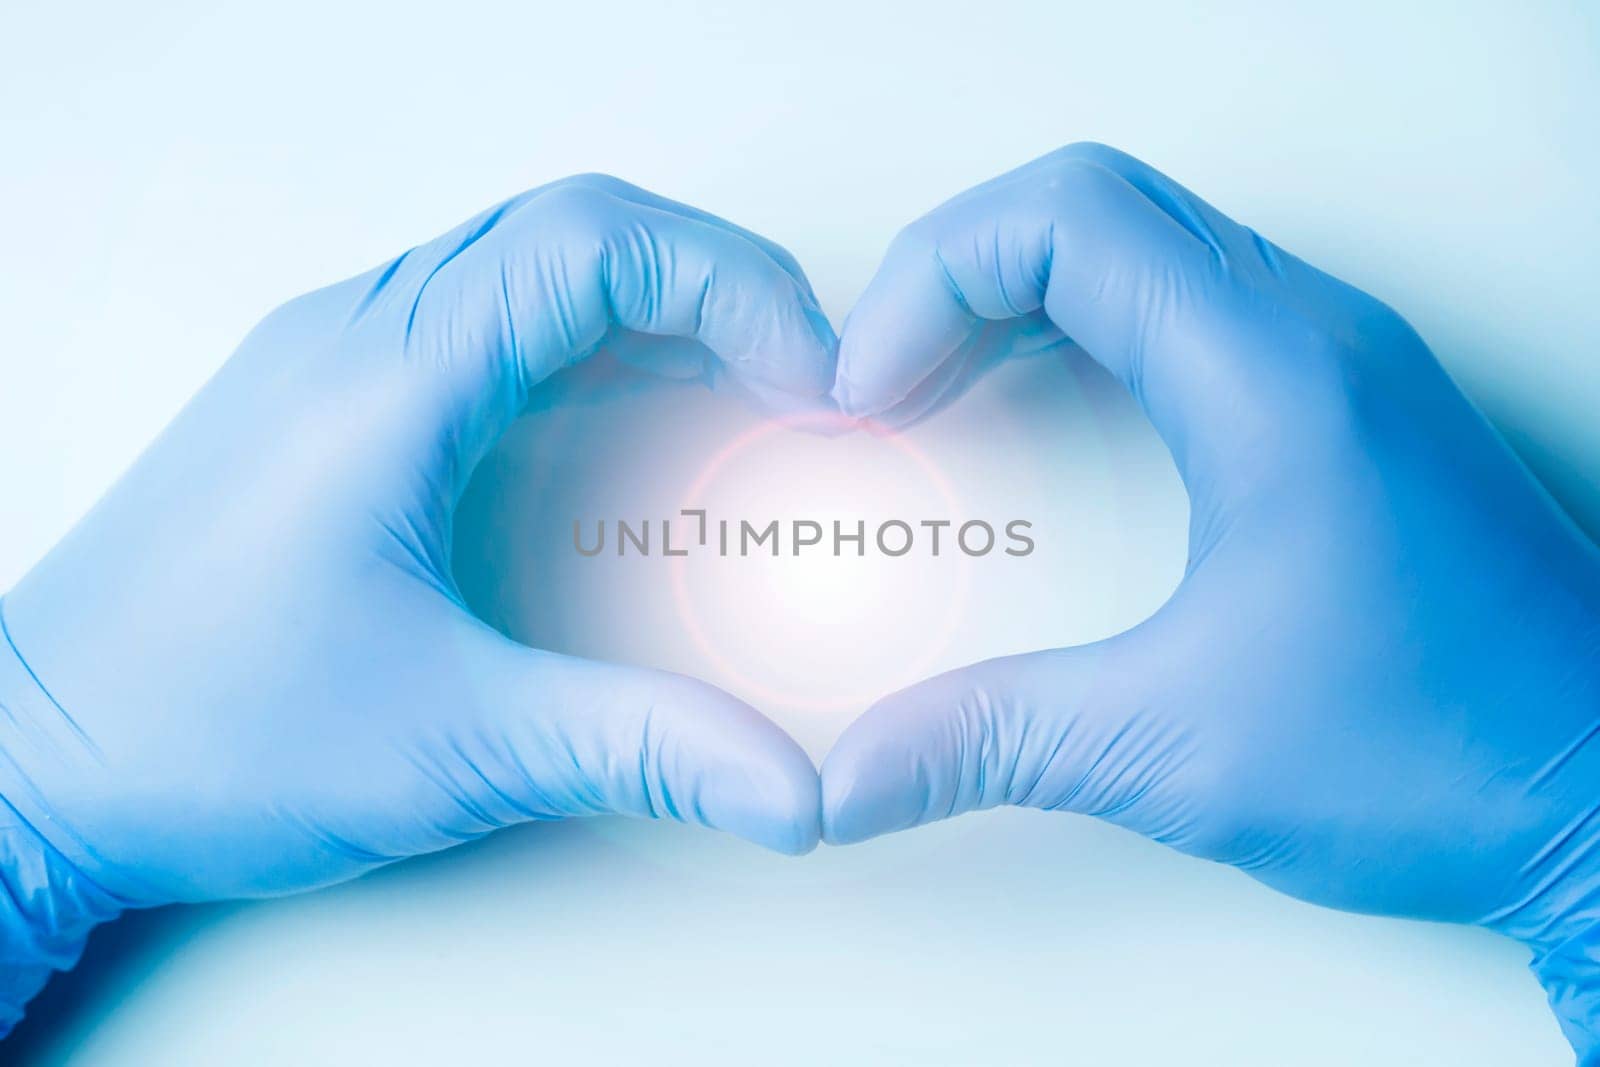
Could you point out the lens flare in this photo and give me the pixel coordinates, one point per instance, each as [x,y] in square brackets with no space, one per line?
[827,590]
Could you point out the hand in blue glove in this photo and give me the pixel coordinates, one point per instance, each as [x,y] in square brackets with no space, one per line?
[248,670]
[1378,685]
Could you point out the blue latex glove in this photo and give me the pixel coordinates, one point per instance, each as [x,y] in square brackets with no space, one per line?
[1378,685]
[248,671]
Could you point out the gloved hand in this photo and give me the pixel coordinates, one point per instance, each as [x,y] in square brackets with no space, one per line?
[248,671]
[1378,684]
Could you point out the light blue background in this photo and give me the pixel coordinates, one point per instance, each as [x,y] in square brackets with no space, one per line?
[168,172]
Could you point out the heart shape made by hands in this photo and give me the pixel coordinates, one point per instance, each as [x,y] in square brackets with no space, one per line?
[1373,684]
[1350,514]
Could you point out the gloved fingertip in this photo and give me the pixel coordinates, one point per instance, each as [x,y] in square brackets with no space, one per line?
[863,797]
[794,359]
[796,838]
[851,400]
[866,381]
[780,810]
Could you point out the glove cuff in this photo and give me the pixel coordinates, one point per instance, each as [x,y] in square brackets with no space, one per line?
[47,905]
[47,908]
[1569,971]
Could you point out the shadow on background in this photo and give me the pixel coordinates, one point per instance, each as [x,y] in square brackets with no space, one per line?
[118,957]
[123,954]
